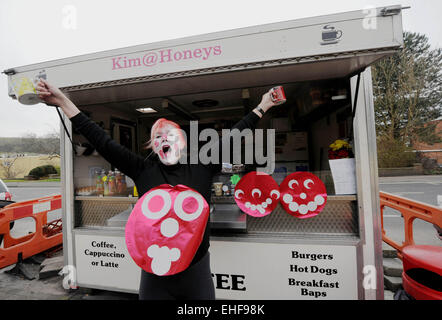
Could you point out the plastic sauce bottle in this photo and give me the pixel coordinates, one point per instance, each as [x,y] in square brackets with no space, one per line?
[123,184]
[105,184]
[99,183]
[118,181]
[112,186]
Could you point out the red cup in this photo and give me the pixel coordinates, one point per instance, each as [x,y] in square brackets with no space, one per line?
[277,94]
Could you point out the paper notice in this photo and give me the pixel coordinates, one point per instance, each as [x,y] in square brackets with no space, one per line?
[344,175]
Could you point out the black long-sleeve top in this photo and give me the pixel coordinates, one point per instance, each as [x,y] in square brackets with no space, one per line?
[150,172]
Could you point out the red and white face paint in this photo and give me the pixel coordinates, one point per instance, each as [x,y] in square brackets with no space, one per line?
[167,143]
[166,228]
[303,194]
[257,194]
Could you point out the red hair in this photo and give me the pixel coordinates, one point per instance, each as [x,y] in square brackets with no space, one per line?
[161,123]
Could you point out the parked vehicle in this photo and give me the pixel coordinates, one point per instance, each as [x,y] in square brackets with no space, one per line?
[4,192]
[5,199]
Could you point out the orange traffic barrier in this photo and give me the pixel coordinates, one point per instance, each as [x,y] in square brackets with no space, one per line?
[410,210]
[46,235]
[422,264]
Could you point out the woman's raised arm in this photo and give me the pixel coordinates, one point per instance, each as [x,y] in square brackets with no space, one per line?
[119,156]
[247,122]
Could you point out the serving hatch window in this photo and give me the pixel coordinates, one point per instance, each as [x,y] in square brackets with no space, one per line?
[312,132]
[312,129]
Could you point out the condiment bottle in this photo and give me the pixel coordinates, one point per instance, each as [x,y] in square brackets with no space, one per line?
[123,184]
[118,181]
[112,186]
[99,184]
[105,183]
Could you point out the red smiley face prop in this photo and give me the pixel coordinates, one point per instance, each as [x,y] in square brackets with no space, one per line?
[257,194]
[166,228]
[303,195]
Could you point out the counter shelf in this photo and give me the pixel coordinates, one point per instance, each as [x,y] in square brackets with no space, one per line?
[339,217]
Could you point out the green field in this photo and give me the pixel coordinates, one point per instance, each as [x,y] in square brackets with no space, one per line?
[42,180]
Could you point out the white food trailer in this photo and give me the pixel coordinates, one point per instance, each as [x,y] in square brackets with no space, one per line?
[323,64]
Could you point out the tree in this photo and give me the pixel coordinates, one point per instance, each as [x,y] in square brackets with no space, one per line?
[407,91]
[48,144]
[52,145]
[7,166]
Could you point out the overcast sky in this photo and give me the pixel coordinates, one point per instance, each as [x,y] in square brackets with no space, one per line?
[33,31]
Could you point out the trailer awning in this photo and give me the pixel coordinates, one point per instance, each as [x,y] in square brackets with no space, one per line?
[226,78]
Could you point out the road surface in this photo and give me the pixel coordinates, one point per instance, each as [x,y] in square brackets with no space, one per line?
[425,189]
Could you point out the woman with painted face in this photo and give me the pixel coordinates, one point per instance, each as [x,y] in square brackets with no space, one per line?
[161,167]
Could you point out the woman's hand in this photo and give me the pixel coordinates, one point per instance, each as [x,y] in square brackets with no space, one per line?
[50,94]
[266,101]
[265,104]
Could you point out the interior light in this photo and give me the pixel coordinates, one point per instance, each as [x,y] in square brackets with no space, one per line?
[340,97]
[146,110]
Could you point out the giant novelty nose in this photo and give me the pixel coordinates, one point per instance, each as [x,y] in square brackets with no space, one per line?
[169,227]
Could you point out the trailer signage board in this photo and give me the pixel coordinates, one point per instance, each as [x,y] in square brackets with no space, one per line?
[104,261]
[250,270]
[153,58]
[286,271]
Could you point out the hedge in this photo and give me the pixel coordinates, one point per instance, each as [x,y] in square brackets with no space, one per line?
[42,171]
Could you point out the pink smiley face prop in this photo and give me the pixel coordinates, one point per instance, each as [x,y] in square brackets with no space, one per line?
[303,195]
[257,194]
[166,228]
